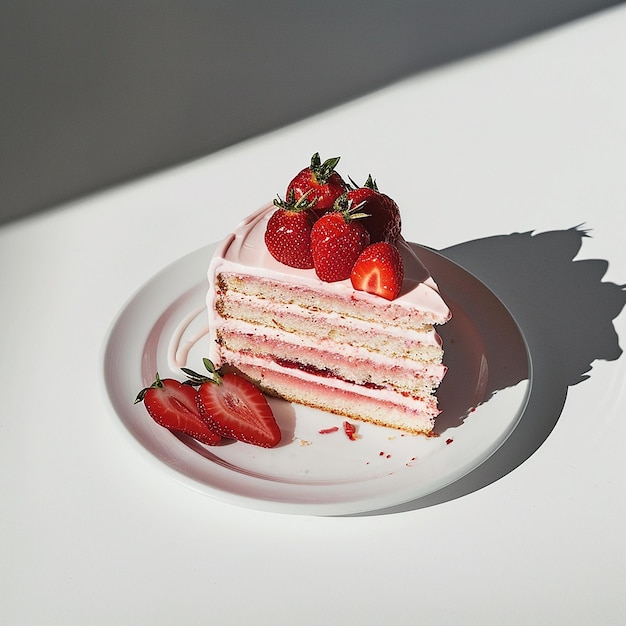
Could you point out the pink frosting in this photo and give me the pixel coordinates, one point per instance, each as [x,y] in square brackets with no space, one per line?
[245,251]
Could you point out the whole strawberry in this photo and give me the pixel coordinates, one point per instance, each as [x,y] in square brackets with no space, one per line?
[383,223]
[319,182]
[172,405]
[288,233]
[379,270]
[337,239]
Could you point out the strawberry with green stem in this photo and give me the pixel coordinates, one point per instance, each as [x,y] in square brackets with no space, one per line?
[319,182]
[172,405]
[337,239]
[234,407]
[288,232]
[383,223]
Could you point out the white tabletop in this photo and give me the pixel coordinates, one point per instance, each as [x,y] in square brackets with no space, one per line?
[530,139]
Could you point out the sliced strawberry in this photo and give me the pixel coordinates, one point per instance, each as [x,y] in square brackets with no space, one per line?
[173,405]
[319,182]
[235,408]
[379,270]
[337,239]
[288,233]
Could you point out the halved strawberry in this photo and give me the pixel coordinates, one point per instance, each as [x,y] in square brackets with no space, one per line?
[379,270]
[288,233]
[337,239]
[234,407]
[319,182]
[173,405]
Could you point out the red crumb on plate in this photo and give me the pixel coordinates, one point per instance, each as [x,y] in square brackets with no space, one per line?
[350,430]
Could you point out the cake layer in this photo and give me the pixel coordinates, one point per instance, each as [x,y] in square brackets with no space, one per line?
[394,342]
[330,358]
[410,414]
[356,306]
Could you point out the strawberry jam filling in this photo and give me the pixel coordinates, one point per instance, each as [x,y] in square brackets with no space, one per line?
[323,372]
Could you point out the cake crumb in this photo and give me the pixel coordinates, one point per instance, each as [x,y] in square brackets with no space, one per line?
[449,441]
[305,442]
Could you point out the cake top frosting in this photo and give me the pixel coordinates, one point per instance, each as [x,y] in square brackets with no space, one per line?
[245,251]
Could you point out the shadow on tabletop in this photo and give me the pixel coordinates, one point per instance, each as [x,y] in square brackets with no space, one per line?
[75,135]
[556,301]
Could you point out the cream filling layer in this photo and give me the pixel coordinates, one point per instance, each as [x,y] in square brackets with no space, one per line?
[346,403]
[411,403]
[349,362]
[294,318]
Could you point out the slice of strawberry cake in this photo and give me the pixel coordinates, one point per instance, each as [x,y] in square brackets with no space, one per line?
[331,309]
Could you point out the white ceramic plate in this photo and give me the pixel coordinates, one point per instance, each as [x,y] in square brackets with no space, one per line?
[483,397]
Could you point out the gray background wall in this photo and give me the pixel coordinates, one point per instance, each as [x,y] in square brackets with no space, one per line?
[95,92]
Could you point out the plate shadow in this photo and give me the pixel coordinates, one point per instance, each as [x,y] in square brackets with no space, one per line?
[552,297]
